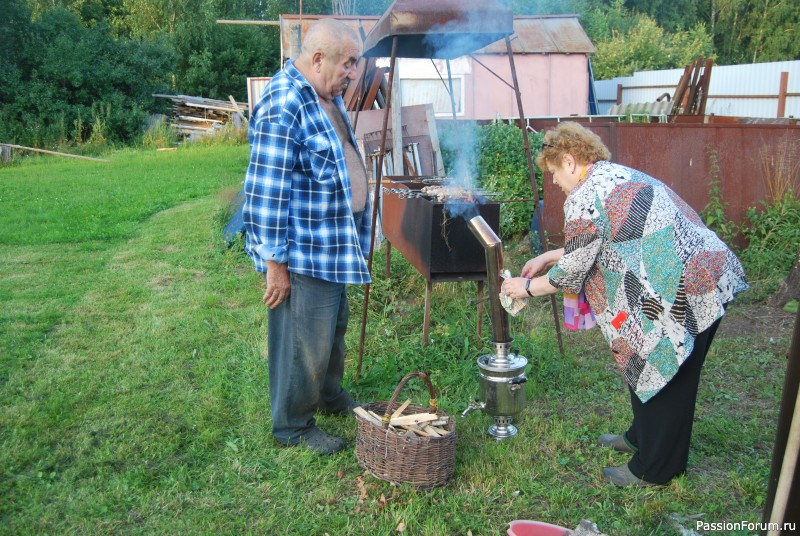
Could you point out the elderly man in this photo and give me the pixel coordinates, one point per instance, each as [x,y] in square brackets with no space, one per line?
[307,225]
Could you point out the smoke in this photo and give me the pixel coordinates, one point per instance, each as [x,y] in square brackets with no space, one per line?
[463,143]
[462,35]
[455,38]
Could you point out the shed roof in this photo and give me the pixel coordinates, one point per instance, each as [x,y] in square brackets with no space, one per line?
[545,34]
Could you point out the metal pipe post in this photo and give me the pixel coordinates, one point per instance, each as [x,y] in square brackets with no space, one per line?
[532,172]
[376,204]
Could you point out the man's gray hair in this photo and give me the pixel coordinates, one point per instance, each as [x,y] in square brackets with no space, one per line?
[328,36]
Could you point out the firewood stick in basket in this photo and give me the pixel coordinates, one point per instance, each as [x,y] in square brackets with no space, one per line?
[399,411]
[431,430]
[416,430]
[413,419]
[364,414]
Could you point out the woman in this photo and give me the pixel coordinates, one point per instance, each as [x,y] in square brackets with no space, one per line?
[657,281]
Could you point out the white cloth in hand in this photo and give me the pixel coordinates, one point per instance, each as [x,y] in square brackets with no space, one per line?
[512,305]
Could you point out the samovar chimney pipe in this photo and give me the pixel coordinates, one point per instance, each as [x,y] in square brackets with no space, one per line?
[493,248]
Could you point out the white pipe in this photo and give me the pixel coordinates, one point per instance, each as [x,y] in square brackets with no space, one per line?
[787,472]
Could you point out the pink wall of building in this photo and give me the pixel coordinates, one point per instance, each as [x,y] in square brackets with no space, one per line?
[550,85]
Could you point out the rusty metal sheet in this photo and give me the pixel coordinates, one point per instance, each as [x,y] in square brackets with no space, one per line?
[551,34]
[680,155]
[443,29]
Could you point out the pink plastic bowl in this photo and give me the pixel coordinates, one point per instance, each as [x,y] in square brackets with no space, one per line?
[523,527]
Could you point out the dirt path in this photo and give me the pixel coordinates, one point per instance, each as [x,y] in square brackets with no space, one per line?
[754,319]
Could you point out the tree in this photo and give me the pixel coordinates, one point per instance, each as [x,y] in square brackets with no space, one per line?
[771,31]
[215,59]
[72,82]
[602,22]
[644,45]
[673,16]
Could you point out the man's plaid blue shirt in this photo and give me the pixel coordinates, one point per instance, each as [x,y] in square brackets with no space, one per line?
[298,202]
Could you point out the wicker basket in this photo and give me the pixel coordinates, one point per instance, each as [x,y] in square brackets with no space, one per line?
[423,462]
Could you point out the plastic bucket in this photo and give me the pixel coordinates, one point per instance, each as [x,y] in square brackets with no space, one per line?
[523,527]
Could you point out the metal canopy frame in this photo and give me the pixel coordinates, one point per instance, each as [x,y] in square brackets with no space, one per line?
[445,29]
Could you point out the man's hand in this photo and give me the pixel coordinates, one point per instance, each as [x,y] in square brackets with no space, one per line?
[278,285]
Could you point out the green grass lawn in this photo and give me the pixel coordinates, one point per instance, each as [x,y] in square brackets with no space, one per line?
[133,381]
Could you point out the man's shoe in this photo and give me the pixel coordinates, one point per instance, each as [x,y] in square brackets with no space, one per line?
[318,442]
[616,442]
[348,410]
[353,405]
[621,476]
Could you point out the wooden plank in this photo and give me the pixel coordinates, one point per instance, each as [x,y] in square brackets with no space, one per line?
[413,419]
[691,104]
[438,163]
[238,111]
[416,429]
[350,96]
[374,87]
[192,129]
[403,406]
[431,430]
[11,145]
[202,102]
[364,414]
[205,106]
[199,119]
[677,97]
[704,83]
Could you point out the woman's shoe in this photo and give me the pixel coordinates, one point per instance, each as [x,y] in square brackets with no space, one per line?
[616,442]
[621,476]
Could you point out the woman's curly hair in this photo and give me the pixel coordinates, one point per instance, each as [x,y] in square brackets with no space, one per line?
[573,138]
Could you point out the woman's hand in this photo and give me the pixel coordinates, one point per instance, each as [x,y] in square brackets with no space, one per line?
[538,265]
[523,287]
[514,287]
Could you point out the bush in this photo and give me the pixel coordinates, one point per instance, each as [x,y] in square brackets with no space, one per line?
[66,75]
[492,157]
[503,168]
[159,134]
[228,134]
[773,238]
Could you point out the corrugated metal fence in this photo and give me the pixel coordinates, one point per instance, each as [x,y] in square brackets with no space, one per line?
[751,90]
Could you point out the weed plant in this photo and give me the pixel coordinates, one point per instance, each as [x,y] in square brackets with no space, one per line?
[771,231]
[227,134]
[160,135]
[713,213]
[773,237]
[133,380]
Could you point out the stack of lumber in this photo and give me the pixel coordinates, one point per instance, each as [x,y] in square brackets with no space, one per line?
[692,92]
[192,115]
[420,424]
